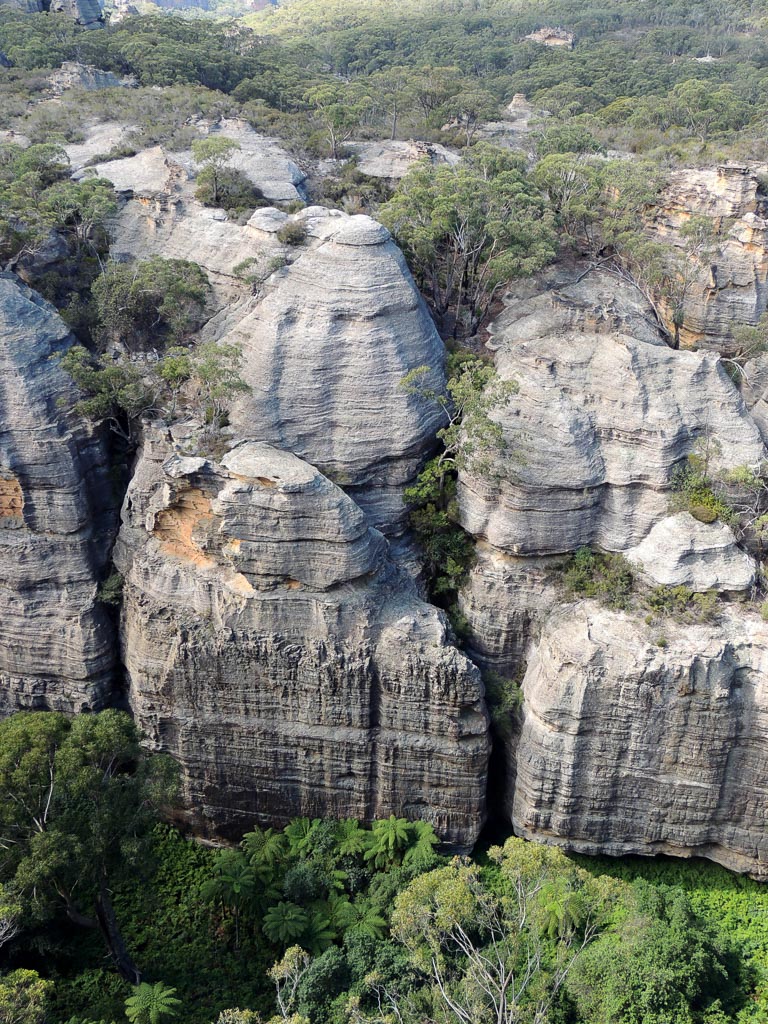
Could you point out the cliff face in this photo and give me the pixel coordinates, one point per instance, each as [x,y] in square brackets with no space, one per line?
[273,647]
[729,284]
[635,736]
[57,646]
[604,415]
[87,13]
[628,747]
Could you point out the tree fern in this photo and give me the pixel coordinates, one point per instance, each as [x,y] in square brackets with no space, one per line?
[149,1003]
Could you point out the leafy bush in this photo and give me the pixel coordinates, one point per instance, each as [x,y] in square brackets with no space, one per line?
[294,232]
[153,301]
[607,577]
[504,698]
[694,492]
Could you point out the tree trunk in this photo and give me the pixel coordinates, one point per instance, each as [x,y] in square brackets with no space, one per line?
[105,915]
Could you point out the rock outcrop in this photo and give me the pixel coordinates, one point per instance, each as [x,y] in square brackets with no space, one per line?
[57,644]
[272,647]
[628,746]
[730,286]
[326,345]
[557,37]
[601,421]
[680,551]
[87,13]
[72,75]
[393,159]
[605,414]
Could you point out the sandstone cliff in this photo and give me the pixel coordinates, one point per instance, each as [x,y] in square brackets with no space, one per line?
[273,647]
[730,283]
[604,415]
[630,747]
[57,645]
[326,346]
[87,13]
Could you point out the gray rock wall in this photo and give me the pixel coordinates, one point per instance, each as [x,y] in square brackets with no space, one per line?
[630,747]
[272,646]
[57,645]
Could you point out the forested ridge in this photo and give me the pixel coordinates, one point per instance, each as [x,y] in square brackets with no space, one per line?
[110,909]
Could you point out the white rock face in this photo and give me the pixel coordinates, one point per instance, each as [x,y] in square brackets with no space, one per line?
[630,747]
[681,551]
[100,139]
[262,160]
[72,75]
[731,286]
[605,414]
[393,159]
[326,347]
[149,172]
[600,423]
[273,648]
[155,171]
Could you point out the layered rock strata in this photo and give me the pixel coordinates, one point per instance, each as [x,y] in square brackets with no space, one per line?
[57,645]
[628,746]
[334,325]
[729,285]
[605,415]
[274,649]
[327,343]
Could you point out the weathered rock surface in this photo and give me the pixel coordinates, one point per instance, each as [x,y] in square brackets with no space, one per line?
[731,287]
[72,75]
[626,747]
[155,171]
[600,423]
[326,345]
[548,36]
[262,160]
[57,645]
[84,12]
[681,551]
[87,13]
[100,140]
[394,158]
[605,413]
[273,648]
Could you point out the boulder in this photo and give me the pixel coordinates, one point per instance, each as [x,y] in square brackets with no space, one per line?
[273,648]
[630,746]
[680,551]
[57,643]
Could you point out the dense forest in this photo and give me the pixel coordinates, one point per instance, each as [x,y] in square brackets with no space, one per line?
[109,909]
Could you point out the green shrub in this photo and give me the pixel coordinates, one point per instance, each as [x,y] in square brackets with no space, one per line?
[292,233]
[704,513]
[111,590]
[681,604]
[607,577]
[504,698]
[694,492]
